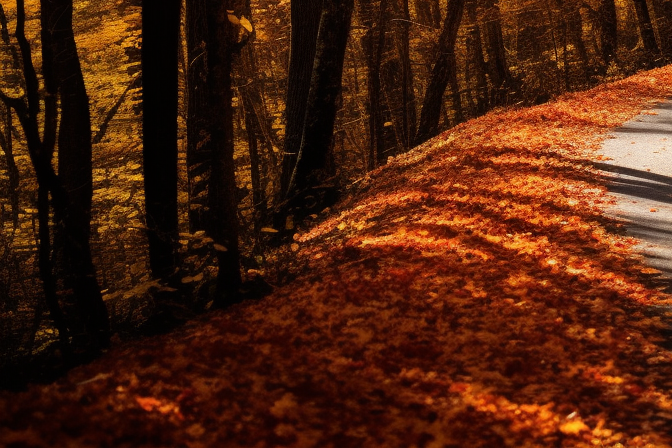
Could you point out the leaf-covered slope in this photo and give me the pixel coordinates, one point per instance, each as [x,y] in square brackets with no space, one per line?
[467,294]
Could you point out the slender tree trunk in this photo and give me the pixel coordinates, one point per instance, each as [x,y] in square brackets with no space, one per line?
[475,58]
[160,34]
[574,28]
[646,28]
[74,163]
[428,12]
[252,108]
[498,68]
[608,31]
[373,42]
[222,218]
[7,146]
[258,196]
[325,87]
[305,20]
[198,141]
[6,140]
[408,94]
[443,71]
[41,158]
[663,25]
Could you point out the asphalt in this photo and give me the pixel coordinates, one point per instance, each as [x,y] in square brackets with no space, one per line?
[638,166]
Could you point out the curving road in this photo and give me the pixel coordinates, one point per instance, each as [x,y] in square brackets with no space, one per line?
[638,166]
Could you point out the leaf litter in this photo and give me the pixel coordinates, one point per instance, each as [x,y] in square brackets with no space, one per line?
[469,293]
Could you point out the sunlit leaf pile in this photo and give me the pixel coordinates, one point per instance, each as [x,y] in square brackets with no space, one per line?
[468,294]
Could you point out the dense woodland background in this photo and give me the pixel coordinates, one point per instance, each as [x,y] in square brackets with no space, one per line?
[109,230]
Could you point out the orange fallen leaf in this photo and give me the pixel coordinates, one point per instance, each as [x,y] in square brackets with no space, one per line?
[148,403]
[573,427]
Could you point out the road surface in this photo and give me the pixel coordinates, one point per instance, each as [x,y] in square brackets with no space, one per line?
[639,167]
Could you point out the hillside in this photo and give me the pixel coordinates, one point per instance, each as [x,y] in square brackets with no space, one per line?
[469,293]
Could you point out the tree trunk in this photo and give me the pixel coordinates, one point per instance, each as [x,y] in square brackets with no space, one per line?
[74,164]
[373,42]
[6,140]
[253,106]
[475,59]
[160,37]
[428,12]
[574,25]
[325,87]
[408,94]
[7,147]
[305,20]
[198,141]
[663,25]
[443,71]
[608,31]
[646,29]
[223,206]
[498,69]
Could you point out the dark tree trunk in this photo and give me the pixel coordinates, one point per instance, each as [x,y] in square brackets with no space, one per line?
[7,147]
[373,42]
[223,206]
[531,29]
[646,28]
[258,196]
[475,59]
[74,163]
[325,87]
[663,25]
[428,12]
[6,140]
[305,18]
[253,107]
[574,28]
[443,72]
[608,31]
[59,61]
[423,12]
[408,94]
[160,37]
[436,12]
[253,111]
[198,141]
[40,157]
[498,68]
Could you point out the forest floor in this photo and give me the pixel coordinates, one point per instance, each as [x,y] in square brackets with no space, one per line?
[471,293]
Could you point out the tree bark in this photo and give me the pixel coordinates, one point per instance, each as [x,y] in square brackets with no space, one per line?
[61,62]
[198,140]
[428,12]
[325,87]
[574,26]
[7,147]
[160,34]
[475,59]
[373,42]
[663,24]
[608,31]
[646,28]
[443,72]
[498,68]
[305,21]
[253,107]
[408,94]
[223,206]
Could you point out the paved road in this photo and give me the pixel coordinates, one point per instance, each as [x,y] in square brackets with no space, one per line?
[640,172]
